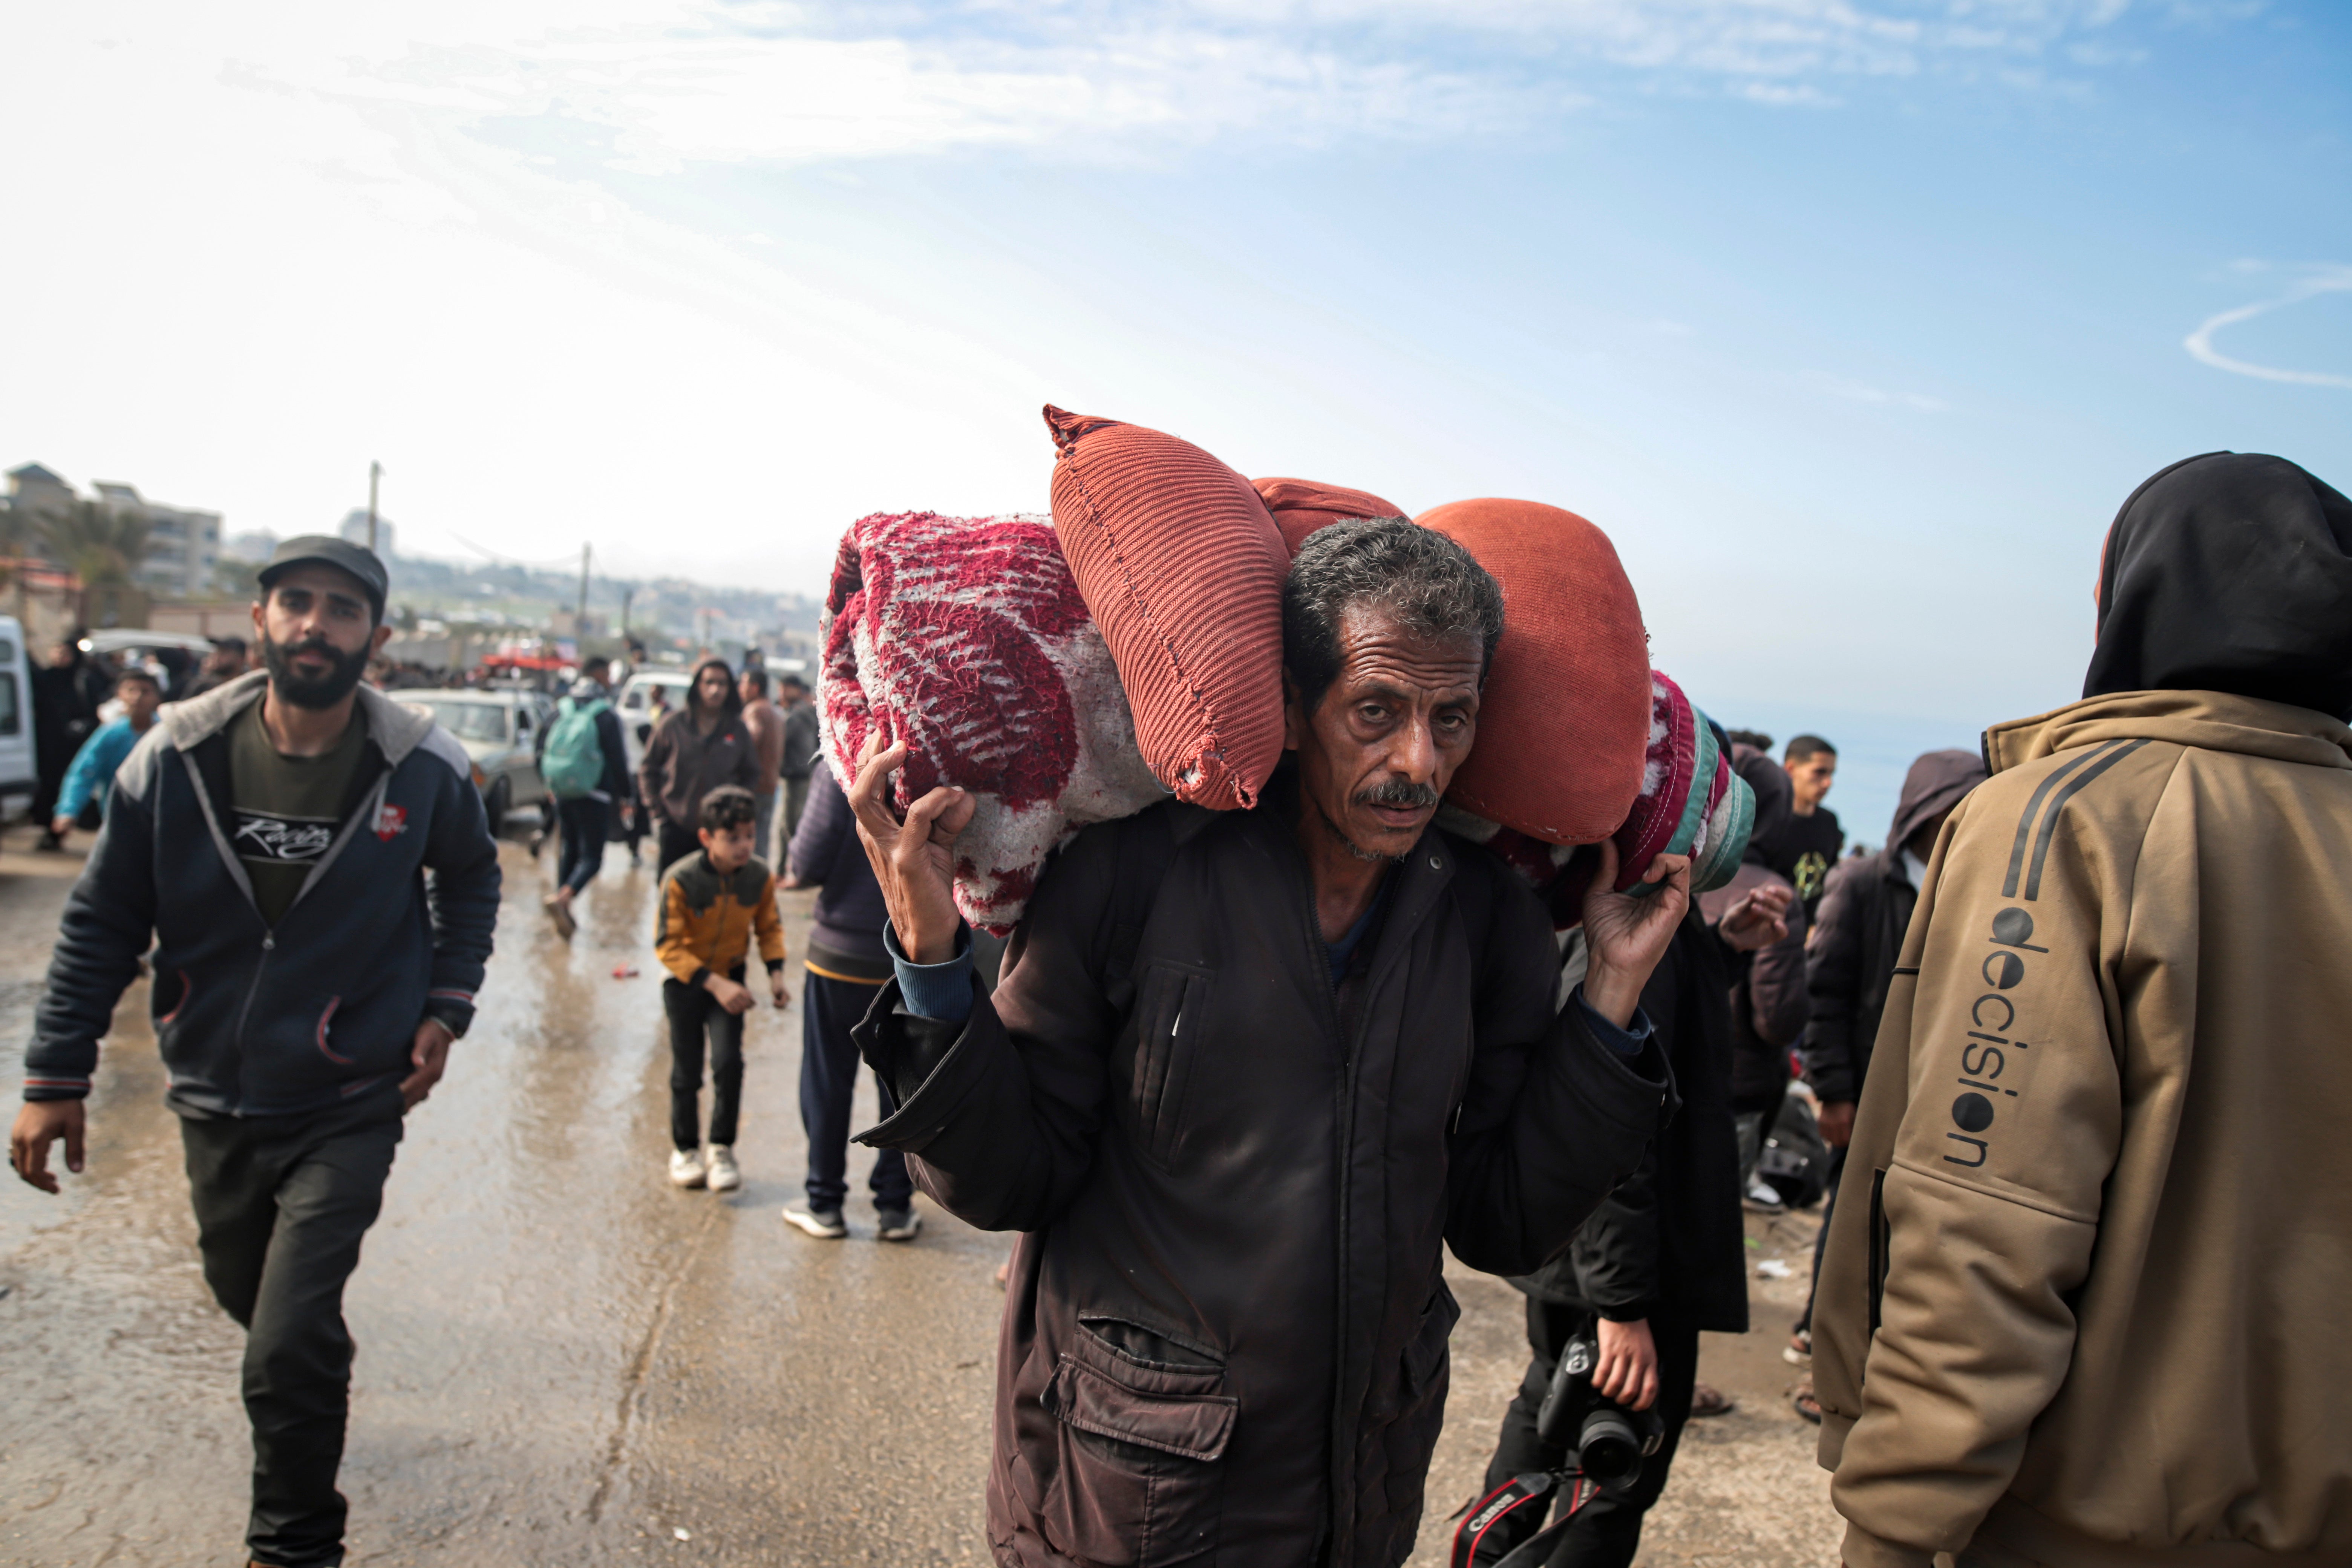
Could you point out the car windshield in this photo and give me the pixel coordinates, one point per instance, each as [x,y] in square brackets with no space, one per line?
[468,721]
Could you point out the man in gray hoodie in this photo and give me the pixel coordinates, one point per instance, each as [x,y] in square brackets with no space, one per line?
[313,868]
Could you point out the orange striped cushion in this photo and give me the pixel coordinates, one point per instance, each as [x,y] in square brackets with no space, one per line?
[1182,569]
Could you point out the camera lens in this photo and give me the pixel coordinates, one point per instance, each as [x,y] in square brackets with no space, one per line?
[1608,1450]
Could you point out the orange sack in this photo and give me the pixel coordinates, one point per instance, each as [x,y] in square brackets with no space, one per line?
[1302,506]
[1182,568]
[1564,723]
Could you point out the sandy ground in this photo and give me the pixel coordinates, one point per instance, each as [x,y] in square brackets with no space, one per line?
[564,1361]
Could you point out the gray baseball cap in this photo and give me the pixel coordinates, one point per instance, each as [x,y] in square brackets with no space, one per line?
[328,551]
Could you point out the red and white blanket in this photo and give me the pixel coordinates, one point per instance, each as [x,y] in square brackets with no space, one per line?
[966,638]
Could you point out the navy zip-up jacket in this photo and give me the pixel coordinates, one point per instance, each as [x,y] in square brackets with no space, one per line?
[393,924]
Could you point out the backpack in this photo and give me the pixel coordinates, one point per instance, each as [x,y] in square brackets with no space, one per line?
[1795,1162]
[573,762]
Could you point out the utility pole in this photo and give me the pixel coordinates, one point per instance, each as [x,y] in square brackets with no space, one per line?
[580,623]
[375,472]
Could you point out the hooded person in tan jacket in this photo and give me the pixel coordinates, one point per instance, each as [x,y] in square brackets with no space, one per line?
[2093,1313]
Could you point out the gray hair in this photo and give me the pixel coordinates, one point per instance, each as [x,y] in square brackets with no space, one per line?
[1427,581]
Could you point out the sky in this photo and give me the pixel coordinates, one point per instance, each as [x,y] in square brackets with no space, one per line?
[1851,322]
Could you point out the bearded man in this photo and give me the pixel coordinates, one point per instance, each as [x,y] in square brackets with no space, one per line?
[273,838]
[1244,1074]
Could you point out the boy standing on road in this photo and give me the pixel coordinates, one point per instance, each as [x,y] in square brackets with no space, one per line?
[90,780]
[313,864]
[713,902]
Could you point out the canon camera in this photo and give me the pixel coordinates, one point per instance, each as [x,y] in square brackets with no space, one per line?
[1609,1441]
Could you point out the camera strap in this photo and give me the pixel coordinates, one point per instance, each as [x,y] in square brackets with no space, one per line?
[1519,1493]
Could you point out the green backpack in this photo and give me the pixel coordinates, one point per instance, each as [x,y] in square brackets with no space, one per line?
[573,762]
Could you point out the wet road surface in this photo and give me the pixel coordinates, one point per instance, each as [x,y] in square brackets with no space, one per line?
[564,1360]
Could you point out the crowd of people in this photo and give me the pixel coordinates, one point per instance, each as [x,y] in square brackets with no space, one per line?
[2057,1057]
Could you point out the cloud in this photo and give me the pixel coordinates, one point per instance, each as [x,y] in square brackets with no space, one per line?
[655,85]
[1862,392]
[2200,343]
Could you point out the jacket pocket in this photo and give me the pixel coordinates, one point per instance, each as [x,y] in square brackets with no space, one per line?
[1140,1429]
[1879,1242]
[1417,1412]
[1171,1005]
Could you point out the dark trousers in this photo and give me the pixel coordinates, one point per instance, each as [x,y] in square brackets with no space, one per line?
[693,1012]
[582,826]
[1607,1529]
[829,1009]
[795,802]
[281,1204]
[1829,1211]
[674,844]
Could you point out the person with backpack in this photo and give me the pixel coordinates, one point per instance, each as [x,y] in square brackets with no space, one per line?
[586,768]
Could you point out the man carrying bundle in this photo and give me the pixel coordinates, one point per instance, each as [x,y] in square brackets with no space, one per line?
[1243,1073]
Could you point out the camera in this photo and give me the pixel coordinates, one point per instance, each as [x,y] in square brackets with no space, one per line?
[1610,1441]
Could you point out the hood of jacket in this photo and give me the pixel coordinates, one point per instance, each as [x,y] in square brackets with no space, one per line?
[2231,572]
[732,708]
[396,728]
[1935,783]
[2210,721]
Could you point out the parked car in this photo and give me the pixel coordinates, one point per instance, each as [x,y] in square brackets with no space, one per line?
[20,780]
[500,731]
[638,706]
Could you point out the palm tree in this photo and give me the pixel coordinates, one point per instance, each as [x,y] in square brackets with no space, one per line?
[94,542]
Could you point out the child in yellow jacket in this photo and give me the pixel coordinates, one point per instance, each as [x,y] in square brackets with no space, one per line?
[712,904]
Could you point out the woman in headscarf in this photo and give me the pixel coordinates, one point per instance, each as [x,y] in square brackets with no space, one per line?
[2099,1282]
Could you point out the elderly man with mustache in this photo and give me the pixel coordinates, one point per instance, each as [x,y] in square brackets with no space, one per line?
[1244,1077]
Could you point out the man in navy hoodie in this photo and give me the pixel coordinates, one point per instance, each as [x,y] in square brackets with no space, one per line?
[312,862]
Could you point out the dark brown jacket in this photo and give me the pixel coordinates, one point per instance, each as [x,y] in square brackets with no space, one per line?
[1224,1334]
[682,765]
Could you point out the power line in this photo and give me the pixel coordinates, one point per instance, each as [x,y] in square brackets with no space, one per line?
[549,564]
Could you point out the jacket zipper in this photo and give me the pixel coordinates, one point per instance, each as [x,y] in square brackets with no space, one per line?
[1319,956]
[244,1011]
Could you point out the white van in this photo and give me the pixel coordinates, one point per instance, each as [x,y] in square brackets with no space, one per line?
[19,775]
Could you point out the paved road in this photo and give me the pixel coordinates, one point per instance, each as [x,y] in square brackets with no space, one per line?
[562,1360]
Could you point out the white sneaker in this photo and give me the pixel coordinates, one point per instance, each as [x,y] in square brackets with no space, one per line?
[686,1168]
[725,1176]
[825,1225]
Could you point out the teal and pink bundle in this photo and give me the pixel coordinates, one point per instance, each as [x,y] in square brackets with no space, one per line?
[1691,802]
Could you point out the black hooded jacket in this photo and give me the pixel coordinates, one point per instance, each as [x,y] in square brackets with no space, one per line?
[1225,1332]
[1767,986]
[2229,573]
[1668,1243]
[1850,962]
